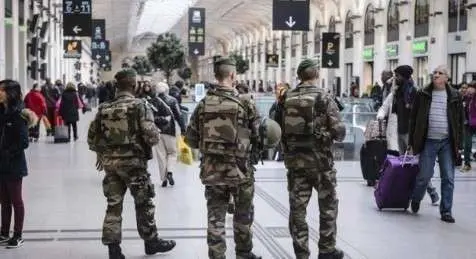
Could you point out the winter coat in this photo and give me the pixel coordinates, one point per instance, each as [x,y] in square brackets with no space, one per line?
[174,107]
[69,106]
[35,101]
[51,93]
[13,142]
[421,111]
[385,112]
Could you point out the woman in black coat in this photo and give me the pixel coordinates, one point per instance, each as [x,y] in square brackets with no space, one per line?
[69,106]
[13,167]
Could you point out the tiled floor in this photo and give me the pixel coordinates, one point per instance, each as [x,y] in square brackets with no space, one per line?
[65,208]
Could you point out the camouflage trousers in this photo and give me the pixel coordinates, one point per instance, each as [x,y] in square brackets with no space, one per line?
[300,185]
[115,184]
[218,197]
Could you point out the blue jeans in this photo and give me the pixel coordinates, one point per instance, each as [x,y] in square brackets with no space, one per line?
[442,149]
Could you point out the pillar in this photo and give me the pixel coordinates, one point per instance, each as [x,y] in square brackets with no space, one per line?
[406,35]
[2,40]
[438,51]
[380,46]
[358,64]
[288,64]
[471,47]
[12,44]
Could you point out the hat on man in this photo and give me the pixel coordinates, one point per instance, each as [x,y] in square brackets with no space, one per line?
[305,64]
[125,73]
[405,71]
[225,61]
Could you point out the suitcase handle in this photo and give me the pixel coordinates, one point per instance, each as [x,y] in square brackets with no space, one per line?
[406,159]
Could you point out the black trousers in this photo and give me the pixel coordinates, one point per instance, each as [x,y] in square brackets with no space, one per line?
[73,125]
[35,131]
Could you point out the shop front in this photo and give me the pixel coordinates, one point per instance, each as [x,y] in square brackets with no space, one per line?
[368,76]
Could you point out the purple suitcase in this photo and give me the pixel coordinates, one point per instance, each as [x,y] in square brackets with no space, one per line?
[397,180]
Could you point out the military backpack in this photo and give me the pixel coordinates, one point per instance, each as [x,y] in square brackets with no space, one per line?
[225,130]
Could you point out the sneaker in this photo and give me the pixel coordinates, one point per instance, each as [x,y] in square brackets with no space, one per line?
[14,242]
[158,245]
[466,168]
[448,218]
[435,198]
[4,239]
[336,254]
[164,183]
[415,206]
[170,178]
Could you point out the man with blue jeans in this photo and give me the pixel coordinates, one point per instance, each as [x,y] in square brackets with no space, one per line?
[436,130]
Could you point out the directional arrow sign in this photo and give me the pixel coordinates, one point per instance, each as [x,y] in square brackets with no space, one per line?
[291,15]
[77,29]
[196,31]
[330,50]
[290,22]
[77,18]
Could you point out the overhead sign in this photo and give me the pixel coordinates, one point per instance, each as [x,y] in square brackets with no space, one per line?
[272,60]
[98,30]
[291,15]
[77,18]
[330,49]
[368,54]
[196,31]
[72,48]
[99,49]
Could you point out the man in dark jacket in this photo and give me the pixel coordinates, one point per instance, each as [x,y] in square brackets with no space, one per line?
[438,110]
[402,103]
[167,148]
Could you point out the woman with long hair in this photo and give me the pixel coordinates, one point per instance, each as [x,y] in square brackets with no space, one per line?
[13,166]
[68,109]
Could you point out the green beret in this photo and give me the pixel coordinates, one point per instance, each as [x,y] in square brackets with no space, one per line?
[307,63]
[225,61]
[125,73]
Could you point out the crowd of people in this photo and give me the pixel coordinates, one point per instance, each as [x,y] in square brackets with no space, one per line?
[227,129]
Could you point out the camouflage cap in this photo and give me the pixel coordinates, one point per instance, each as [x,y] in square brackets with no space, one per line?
[225,61]
[125,73]
[307,63]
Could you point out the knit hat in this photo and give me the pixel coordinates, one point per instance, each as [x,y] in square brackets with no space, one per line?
[405,71]
[162,87]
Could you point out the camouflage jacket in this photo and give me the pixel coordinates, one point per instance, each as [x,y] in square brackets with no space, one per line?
[328,128]
[146,135]
[216,169]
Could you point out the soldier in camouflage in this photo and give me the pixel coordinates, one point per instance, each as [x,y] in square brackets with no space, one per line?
[310,121]
[224,127]
[122,135]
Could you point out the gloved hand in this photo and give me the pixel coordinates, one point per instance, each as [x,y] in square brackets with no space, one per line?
[99,161]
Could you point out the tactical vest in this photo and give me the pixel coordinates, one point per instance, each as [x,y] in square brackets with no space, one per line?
[299,125]
[225,131]
[118,128]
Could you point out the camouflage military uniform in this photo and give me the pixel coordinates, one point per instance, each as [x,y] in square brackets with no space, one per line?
[226,176]
[126,168]
[312,167]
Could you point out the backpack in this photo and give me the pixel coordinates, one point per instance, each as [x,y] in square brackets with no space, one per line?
[118,127]
[225,130]
[299,125]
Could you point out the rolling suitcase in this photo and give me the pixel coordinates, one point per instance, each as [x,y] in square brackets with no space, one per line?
[397,180]
[372,155]
[61,131]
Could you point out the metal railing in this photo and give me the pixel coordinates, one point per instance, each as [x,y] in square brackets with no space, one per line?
[356,122]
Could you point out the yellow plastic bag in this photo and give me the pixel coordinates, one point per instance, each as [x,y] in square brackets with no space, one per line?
[185,152]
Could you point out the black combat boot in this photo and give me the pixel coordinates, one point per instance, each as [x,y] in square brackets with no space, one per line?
[158,245]
[115,252]
[336,254]
[170,178]
[248,256]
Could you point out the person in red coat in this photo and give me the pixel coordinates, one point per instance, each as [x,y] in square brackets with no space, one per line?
[35,101]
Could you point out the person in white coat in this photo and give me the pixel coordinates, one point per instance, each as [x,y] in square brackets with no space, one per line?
[386,112]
